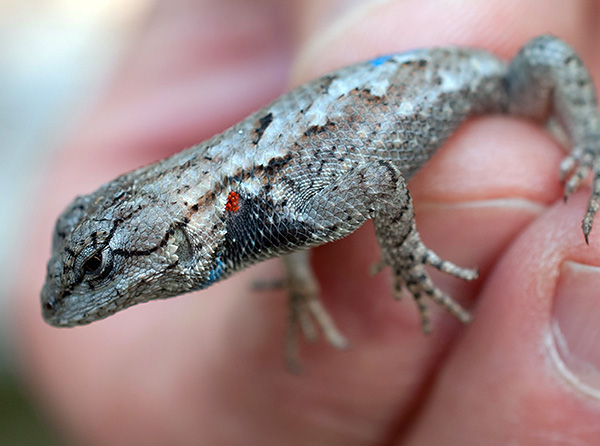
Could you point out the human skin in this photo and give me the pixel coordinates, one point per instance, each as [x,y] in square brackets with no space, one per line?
[207,368]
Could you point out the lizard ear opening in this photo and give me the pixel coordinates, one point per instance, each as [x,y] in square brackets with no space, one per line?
[184,249]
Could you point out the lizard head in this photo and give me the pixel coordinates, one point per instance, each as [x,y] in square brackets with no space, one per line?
[112,249]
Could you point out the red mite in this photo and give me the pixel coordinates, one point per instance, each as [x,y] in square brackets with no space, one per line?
[233,202]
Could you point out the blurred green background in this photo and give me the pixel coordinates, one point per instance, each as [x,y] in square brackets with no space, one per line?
[55,58]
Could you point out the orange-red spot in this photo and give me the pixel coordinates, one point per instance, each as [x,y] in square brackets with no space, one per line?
[233,202]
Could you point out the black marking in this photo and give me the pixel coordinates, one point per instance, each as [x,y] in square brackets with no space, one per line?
[392,171]
[116,223]
[264,122]
[276,164]
[172,265]
[260,230]
[316,129]
[144,252]
[135,252]
[80,276]
[119,196]
[325,82]
[206,200]
[365,94]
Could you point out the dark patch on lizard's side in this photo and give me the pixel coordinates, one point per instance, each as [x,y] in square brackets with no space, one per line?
[263,122]
[259,229]
[266,173]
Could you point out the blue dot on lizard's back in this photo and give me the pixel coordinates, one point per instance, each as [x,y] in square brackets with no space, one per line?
[380,60]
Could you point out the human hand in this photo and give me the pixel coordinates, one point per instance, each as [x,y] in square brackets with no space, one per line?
[207,368]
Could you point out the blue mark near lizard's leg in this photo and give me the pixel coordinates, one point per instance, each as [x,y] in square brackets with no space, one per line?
[214,274]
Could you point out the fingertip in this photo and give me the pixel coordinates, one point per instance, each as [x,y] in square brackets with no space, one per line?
[511,359]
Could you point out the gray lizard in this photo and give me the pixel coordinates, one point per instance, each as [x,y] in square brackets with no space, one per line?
[308,169]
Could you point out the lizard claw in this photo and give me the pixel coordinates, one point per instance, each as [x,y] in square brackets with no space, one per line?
[574,170]
[593,204]
[566,167]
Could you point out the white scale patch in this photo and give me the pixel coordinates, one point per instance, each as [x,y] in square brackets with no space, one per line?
[379,87]
[319,111]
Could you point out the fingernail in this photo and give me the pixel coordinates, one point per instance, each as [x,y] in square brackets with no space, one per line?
[575,346]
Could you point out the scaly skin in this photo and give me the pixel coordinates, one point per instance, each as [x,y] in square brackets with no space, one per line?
[308,169]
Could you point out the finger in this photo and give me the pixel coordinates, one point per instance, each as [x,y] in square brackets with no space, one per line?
[533,377]
[372,27]
[470,209]
[384,324]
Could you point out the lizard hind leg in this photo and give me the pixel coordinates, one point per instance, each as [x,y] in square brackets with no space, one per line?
[414,277]
[375,190]
[548,76]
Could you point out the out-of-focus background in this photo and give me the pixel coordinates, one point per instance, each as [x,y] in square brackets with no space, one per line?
[55,58]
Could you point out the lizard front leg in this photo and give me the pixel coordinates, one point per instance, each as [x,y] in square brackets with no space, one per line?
[304,307]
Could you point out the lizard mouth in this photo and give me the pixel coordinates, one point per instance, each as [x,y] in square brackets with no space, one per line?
[49,304]
[53,310]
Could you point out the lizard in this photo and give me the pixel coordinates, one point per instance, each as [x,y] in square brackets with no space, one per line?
[308,169]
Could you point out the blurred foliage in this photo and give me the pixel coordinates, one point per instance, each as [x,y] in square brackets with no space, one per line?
[20,425]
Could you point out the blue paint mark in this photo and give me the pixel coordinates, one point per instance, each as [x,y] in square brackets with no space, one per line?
[380,60]
[400,58]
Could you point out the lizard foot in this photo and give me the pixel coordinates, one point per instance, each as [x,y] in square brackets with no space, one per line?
[305,309]
[574,170]
[410,273]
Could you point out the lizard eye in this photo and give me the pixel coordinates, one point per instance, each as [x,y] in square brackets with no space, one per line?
[93,265]
[98,265]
